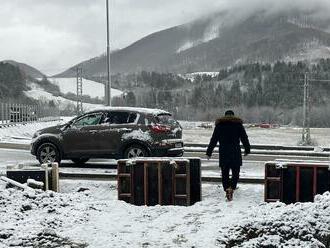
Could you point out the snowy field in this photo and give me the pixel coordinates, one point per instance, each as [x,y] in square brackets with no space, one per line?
[91,88]
[192,76]
[287,136]
[22,133]
[89,214]
[62,103]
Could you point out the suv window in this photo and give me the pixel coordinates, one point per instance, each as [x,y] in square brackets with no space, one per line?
[89,120]
[132,117]
[165,119]
[120,118]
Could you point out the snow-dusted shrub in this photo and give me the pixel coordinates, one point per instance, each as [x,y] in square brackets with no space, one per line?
[35,219]
[280,225]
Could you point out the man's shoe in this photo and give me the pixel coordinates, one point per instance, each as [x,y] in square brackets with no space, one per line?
[229,194]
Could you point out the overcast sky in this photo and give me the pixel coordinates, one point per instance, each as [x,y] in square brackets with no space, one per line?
[53,35]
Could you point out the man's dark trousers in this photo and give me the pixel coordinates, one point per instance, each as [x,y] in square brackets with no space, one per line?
[226,181]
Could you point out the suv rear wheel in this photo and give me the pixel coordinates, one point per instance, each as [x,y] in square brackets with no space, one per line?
[134,151]
[79,160]
[48,152]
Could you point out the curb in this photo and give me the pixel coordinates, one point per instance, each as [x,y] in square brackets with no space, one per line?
[15,146]
[241,180]
[87,176]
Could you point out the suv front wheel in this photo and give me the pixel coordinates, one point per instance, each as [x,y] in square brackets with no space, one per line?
[48,152]
[134,151]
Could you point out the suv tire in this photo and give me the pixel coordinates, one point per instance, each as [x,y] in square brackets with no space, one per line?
[79,160]
[48,152]
[134,151]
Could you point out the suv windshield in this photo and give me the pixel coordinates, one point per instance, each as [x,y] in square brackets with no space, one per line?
[91,119]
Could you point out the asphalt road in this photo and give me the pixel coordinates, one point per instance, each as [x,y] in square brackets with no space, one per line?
[10,157]
[15,156]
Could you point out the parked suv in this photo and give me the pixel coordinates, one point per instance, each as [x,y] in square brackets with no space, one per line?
[113,132]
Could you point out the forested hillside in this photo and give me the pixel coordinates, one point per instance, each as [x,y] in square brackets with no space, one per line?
[258,92]
[12,82]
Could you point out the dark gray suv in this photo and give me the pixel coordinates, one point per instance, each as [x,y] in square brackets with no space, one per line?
[113,132]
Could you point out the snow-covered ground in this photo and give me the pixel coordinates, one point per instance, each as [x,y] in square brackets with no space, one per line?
[192,76]
[91,88]
[62,103]
[287,136]
[88,213]
[22,133]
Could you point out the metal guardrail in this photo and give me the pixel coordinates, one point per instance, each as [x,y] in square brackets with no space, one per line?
[267,147]
[267,150]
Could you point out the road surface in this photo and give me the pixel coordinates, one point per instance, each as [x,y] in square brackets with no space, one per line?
[10,157]
[253,165]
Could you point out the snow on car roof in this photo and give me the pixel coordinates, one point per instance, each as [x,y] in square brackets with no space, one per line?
[132,109]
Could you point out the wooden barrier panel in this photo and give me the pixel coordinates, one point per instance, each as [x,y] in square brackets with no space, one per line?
[195,180]
[48,175]
[292,181]
[163,181]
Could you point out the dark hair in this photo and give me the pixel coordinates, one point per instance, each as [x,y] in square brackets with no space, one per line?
[229,113]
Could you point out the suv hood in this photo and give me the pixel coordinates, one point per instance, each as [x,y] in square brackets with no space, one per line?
[52,129]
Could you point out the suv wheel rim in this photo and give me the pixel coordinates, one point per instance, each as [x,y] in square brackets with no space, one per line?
[135,152]
[48,154]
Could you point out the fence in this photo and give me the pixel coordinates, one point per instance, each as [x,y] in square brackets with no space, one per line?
[12,113]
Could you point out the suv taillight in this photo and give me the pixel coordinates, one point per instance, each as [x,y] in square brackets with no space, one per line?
[159,128]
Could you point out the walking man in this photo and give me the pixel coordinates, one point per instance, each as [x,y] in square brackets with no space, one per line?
[229,131]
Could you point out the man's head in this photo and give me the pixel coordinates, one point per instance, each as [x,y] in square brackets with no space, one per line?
[229,113]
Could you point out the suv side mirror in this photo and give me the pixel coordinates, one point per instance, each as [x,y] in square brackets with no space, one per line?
[67,125]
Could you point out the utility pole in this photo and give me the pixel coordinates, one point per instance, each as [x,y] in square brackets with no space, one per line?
[108,85]
[79,91]
[306,135]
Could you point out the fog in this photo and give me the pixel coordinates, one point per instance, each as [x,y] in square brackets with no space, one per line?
[53,35]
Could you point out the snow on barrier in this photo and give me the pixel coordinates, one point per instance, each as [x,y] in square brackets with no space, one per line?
[163,181]
[45,177]
[295,181]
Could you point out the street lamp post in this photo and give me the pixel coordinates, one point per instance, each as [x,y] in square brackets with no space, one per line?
[108,85]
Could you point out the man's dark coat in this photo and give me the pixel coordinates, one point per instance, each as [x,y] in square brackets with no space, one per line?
[229,131]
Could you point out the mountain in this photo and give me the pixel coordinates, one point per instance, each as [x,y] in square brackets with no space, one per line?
[221,40]
[12,83]
[26,69]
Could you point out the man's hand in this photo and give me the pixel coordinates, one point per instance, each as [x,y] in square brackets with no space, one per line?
[246,152]
[208,157]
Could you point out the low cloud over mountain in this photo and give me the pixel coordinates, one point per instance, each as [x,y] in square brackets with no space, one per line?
[243,31]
